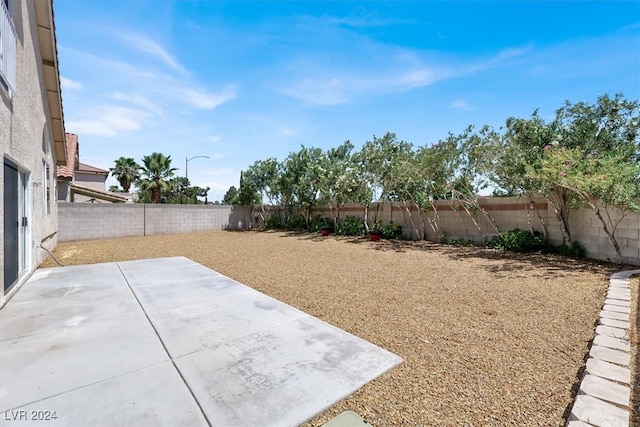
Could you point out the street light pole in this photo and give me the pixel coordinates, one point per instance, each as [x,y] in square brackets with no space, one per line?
[186,164]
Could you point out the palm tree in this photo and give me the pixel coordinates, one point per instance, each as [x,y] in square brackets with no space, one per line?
[155,174]
[126,172]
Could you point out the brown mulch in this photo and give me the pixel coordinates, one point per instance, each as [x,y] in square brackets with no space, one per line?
[488,338]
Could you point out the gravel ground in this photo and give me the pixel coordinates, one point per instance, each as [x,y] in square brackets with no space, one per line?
[488,338]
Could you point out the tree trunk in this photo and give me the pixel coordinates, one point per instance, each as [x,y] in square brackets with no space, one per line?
[609,234]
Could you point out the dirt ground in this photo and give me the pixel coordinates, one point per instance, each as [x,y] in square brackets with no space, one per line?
[488,338]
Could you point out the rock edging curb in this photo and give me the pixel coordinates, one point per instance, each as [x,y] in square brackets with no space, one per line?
[604,394]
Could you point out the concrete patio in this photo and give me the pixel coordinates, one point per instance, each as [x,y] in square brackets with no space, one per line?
[169,342]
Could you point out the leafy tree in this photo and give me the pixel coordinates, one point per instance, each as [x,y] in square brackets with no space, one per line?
[247,194]
[155,174]
[478,157]
[379,161]
[301,175]
[519,163]
[114,189]
[126,171]
[230,196]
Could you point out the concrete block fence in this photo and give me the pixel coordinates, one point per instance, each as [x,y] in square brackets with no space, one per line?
[509,213]
[82,221]
[85,221]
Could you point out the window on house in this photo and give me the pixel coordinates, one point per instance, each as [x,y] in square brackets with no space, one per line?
[7,49]
[46,188]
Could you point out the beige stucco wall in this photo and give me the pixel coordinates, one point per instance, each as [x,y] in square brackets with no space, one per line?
[90,180]
[23,119]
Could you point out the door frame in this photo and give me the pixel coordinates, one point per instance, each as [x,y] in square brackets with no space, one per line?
[25,206]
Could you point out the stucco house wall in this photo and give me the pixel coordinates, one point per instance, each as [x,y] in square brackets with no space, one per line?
[29,138]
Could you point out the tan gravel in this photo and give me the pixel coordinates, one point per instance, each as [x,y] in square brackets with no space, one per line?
[488,338]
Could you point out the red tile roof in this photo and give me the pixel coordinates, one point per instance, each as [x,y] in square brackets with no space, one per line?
[66,172]
[83,167]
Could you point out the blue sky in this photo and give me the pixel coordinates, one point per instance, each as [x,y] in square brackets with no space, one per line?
[241,81]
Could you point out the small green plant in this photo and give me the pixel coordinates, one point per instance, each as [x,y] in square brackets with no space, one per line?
[297,223]
[391,231]
[352,226]
[444,237]
[462,242]
[319,222]
[517,240]
[575,250]
[272,222]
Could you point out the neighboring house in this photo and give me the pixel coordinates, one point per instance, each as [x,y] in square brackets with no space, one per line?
[79,182]
[32,138]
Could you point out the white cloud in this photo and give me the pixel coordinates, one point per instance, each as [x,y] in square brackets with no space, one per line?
[146,45]
[286,131]
[461,104]
[68,84]
[138,100]
[318,92]
[107,121]
[203,99]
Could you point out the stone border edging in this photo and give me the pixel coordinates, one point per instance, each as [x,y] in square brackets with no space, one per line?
[603,399]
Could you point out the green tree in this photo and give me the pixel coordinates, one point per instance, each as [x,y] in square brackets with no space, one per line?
[247,194]
[597,160]
[380,162]
[155,174]
[300,178]
[126,172]
[230,196]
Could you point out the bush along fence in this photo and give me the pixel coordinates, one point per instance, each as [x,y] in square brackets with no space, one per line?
[510,223]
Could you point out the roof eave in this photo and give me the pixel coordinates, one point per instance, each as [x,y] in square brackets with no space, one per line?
[49,55]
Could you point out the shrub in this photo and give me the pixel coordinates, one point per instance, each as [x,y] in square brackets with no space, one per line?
[272,222]
[352,226]
[517,240]
[319,222]
[462,242]
[575,250]
[391,231]
[297,223]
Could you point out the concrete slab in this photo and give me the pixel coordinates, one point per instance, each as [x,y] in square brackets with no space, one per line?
[164,271]
[614,315]
[616,309]
[614,323]
[152,396]
[36,308]
[347,419]
[605,390]
[621,303]
[612,332]
[40,366]
[608,371]
[281,374]
[614,356]
[100,337]
[610,342]
[599,413]
[624,296]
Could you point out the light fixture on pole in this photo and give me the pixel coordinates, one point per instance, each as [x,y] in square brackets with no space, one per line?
[186,168]
[186,164]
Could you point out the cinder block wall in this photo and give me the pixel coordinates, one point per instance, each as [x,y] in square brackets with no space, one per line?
[85,221]
[508,213]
